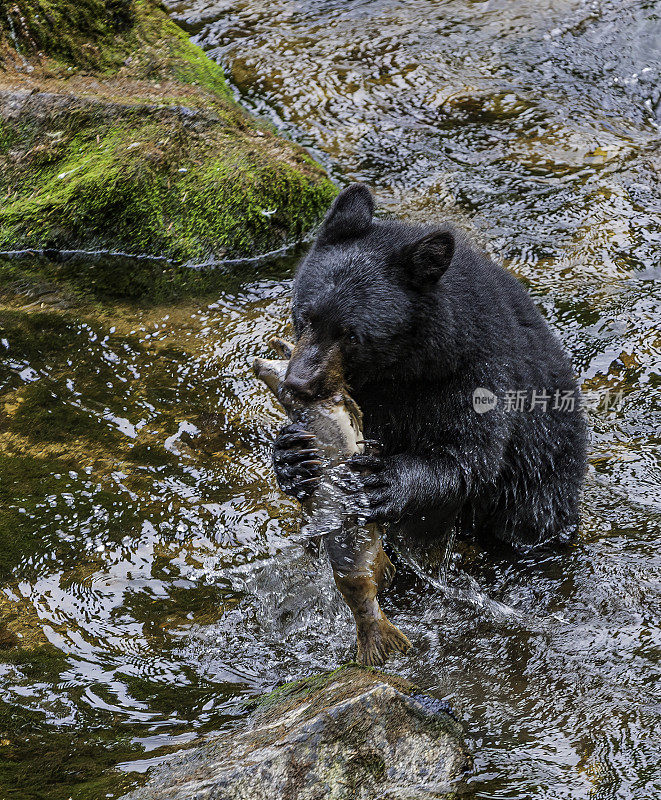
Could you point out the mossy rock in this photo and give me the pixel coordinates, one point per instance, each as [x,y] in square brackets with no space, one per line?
[351,733]
[130,39]
[117,133]
[180,182]
[333,686]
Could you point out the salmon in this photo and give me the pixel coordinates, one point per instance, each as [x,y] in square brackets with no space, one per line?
[360,565]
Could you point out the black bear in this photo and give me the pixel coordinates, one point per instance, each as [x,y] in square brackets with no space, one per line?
[469,394]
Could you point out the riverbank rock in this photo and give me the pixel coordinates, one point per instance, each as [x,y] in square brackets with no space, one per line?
[351,733]
[117,133]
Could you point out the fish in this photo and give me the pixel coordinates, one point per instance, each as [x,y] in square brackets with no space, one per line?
[361,567]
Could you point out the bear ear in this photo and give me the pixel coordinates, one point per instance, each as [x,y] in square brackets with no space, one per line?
[427,259]
[350,215]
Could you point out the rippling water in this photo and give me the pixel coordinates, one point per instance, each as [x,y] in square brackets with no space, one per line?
[150,581]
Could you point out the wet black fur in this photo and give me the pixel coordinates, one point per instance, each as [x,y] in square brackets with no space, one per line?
[422,319]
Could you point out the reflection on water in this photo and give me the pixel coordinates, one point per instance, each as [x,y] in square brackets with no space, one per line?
[151,580]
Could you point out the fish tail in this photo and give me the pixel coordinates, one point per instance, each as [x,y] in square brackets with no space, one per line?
[282,347]
[378,639]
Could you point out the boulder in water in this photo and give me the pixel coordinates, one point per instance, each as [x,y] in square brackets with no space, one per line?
[352,733]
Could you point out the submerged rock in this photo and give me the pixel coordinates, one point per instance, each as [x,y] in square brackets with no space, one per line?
[351,733]
[117,133]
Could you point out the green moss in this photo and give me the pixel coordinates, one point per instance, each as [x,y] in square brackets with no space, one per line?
[39,762]
[37,333]
[166,189]
[153,182]
[361,768]
[31,475]
[43,414]
[63,28]
[176,171]
[190,64]
[29,478]
[102,36]
[155,455]
[346,681]
[44,663]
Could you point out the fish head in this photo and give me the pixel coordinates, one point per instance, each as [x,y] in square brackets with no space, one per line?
[272,372]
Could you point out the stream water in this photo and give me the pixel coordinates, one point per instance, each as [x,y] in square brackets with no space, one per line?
[145,551]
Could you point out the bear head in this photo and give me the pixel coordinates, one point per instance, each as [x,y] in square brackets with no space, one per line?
[362,294]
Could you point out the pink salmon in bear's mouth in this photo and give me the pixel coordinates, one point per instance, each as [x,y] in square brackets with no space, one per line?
[360,565]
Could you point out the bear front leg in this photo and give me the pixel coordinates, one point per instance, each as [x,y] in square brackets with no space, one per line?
[406,484]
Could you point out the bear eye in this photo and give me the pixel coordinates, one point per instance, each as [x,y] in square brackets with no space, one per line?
[351,337]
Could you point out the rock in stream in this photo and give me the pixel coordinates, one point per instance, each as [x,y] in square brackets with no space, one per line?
[350,733]
[118,135]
